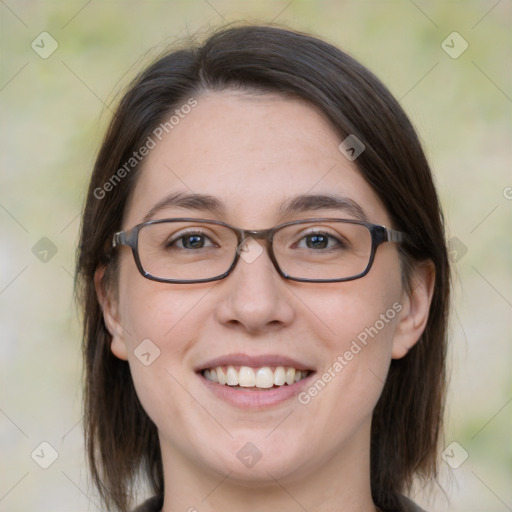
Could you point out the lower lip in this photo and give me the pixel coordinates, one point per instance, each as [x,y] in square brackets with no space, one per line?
[252,399]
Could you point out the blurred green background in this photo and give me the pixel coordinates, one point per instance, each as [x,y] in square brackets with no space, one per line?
[53,112]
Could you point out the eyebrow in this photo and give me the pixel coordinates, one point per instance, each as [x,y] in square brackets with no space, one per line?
[293,205]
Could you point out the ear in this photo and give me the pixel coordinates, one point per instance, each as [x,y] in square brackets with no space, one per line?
[415,309]
[110,308]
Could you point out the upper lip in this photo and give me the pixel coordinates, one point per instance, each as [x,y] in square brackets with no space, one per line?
[254,361]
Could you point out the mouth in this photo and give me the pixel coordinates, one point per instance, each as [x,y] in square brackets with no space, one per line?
[255,382]
[258,378]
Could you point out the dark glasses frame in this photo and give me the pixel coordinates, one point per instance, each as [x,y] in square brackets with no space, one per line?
[379,235]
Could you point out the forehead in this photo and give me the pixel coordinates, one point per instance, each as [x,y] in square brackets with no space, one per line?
[252,152]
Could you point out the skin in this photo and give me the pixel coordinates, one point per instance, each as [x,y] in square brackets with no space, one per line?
[252,151]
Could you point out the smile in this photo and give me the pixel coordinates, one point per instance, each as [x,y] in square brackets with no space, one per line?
[246,377]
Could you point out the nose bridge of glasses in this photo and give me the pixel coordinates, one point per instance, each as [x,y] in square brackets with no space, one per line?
[250,249]
[257,234]
[245,235]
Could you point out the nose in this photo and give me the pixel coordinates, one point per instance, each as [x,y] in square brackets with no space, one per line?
[255,297]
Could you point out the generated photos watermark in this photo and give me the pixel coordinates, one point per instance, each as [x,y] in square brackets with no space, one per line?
[147,352]
[351,147]
[44,455]
[150,143]
[454,45]
[454,455]
[356,347]
[249,455]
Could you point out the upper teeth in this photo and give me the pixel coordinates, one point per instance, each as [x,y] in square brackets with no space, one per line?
[247,377]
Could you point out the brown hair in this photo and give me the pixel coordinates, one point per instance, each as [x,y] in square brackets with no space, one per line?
[122,442]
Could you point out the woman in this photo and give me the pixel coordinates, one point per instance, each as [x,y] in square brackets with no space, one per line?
[265,283]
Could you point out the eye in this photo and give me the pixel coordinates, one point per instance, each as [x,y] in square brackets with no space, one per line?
[318,241]
[191,240]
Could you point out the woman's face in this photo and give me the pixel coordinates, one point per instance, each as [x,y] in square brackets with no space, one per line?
[255,154]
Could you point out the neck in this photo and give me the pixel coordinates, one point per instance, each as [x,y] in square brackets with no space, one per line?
[336,483]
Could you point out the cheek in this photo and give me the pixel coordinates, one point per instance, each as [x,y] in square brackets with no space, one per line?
[153,310]
[361,310]
[158,324]
[357,321]
[362,323]
[161,324]
[358,331]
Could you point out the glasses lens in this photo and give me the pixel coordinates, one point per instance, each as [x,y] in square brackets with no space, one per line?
[186,250]
[323,250]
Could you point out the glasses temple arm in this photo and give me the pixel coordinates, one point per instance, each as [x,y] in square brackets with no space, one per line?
[119,239]
[395,236]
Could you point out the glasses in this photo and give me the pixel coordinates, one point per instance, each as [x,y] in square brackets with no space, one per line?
[188,250]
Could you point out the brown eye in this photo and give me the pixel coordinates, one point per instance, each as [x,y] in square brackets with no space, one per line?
[190,241]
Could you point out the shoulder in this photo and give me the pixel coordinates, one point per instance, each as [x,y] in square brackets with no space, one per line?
[154,504]
[401,504]
[409,506]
